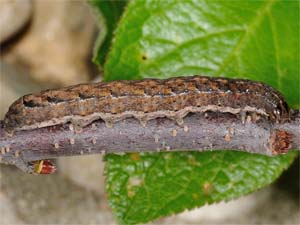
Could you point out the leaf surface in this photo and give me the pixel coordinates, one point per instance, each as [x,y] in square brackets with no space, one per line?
[108,14]
[143,187]
[257,40]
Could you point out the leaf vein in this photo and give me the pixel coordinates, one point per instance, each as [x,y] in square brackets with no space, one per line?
[254,23]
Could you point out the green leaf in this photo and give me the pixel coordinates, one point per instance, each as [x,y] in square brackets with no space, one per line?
[109,12]
[143,187]
[258,40]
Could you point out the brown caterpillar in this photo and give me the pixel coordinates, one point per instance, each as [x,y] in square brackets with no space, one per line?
[145,100]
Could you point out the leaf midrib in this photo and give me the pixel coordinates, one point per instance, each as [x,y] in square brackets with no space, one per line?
[251,27]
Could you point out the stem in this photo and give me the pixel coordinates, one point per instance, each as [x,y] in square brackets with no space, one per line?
[212,131]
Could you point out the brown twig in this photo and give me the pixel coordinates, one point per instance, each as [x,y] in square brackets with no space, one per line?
[199,132]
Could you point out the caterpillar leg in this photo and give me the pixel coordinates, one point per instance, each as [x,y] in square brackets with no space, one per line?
[43,167]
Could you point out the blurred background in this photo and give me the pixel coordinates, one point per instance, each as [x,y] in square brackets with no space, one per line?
[49,44]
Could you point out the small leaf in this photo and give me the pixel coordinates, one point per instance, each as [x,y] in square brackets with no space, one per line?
[143,187]
[109,12]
